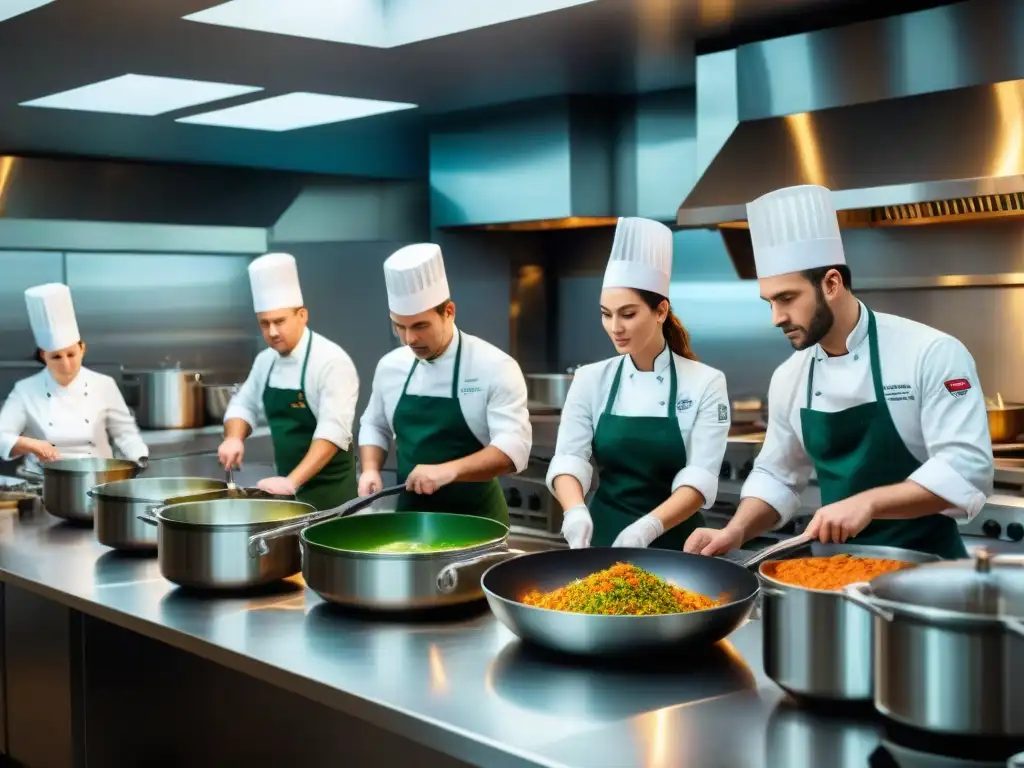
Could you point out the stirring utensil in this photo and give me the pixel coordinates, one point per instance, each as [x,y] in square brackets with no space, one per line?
[230,478]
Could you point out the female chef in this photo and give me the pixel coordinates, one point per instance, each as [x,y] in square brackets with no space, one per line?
[65,410]
[654,419]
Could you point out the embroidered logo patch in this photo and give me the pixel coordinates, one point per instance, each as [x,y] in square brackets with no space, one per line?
[684,404]
[957,387]
[723,412]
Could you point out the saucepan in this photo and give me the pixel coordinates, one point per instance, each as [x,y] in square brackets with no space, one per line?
[394,561]
[66,484]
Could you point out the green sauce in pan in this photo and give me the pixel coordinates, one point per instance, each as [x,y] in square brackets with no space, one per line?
[400,547]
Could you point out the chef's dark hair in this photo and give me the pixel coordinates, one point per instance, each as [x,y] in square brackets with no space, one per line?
[675,334]
[40,355]
[440,308]
[817,275]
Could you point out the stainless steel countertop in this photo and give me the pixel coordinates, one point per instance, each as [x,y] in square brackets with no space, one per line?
[462,684]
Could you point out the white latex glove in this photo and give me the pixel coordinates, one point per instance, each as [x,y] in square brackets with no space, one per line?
[641,533]
[577,527]
[277,486]
[370,482]
[230,453]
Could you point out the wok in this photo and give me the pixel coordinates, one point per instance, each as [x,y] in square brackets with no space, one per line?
[506,583]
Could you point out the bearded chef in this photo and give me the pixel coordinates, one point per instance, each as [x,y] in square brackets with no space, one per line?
[307,387]
[65,410]
[653,419]
[454,404]
[888,412]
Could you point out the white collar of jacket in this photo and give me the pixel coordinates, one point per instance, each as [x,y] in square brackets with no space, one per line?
[661,363]
[299,352]
[452,347]
[74,388]
[857,336]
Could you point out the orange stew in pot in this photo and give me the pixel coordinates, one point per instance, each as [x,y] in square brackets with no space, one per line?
[834,572]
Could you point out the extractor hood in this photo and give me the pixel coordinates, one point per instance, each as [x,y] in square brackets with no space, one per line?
[881,120]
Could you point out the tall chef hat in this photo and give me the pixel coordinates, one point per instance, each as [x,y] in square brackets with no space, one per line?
[415,279]
[274,279]
[641,256]
[793,229]
[51,314]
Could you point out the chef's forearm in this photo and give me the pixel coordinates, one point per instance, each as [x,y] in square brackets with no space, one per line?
[753,518]
[22,446]
[237,428]
[678,507]
[486,464]
[903,501]
[320,452]
[371,458]
[568,491]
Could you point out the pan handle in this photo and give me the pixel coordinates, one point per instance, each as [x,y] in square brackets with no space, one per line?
[858,594]
[448,577]
[149,516]
[783,547]
[258,543]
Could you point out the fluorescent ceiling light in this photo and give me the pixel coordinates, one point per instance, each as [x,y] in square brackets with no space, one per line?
[140,95]
[294,110]
[11,8]
[375,23]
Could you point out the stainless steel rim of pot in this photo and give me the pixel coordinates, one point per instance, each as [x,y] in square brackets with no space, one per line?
[156,515]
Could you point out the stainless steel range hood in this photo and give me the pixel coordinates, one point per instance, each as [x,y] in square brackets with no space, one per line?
[909,120]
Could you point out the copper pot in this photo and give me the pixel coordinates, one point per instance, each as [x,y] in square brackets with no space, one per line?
[1006,424]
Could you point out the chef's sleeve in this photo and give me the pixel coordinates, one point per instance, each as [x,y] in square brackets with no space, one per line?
[574,445]
[374,428]
[13,420]
[954,424]
[782,468]
[337,393]
[121,425]
[705,447]
[508,419]
[247,403]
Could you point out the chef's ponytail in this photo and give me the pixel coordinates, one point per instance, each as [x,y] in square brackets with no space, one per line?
[676,335]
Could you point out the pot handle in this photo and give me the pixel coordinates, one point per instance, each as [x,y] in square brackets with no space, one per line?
[859,595]
[258,543]
[448,578]
[149,516]
[783,547]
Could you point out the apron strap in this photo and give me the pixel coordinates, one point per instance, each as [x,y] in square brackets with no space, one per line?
[810,381]
[305,364]
[455,373]
[672,387]
[672,384]
[876,366]
[615,388]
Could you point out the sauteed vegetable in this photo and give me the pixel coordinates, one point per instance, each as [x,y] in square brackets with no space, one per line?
[622,590]
[832,573]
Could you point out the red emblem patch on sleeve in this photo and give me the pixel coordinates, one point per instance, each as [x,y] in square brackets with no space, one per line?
[955,386]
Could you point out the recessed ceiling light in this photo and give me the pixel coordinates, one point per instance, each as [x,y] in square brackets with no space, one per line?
[376,23]
[11,8]
[140,95]
[294,110]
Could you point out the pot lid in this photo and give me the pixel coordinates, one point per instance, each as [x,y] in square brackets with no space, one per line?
[987,585]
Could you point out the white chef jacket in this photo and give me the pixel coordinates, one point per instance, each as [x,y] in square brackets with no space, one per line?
[78,419]
[702,410]
[332,387]
[944,427]
[492,395]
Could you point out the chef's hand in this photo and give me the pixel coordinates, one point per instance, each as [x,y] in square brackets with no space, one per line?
[641,533]
[43,450]
[370,482]
[835,523]
[142,462]
[577,527]
[230,453]
[429,478]
[277,486]
[713,541]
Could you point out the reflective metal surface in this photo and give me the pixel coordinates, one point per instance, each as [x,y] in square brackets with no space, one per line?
[67,482]
[167,399]
[548,390]
[816,643]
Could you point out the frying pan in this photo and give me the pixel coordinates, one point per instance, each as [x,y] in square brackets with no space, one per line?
[506,583]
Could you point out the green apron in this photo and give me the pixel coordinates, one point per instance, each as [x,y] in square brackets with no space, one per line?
[432,430]
[637,459]
[858,449]
[292,425]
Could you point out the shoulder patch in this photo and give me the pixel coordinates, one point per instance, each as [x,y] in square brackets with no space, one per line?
[957,387]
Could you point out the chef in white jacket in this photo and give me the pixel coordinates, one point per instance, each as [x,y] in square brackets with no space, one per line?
[305,385]
[888,412]
[653,419]
[65,410]
[454,404]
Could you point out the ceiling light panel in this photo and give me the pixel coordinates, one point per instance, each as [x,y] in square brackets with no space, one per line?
[11,8]
[293,111]
[140,95]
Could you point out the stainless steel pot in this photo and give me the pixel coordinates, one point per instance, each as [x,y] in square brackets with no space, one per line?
[167,399]
[1006,423]
[817,644]
[119,504]
[67,482]
[216,398]
[950,645]
[205,544]
[548,390]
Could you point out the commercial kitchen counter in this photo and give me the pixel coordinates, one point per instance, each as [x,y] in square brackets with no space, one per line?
[107,664]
